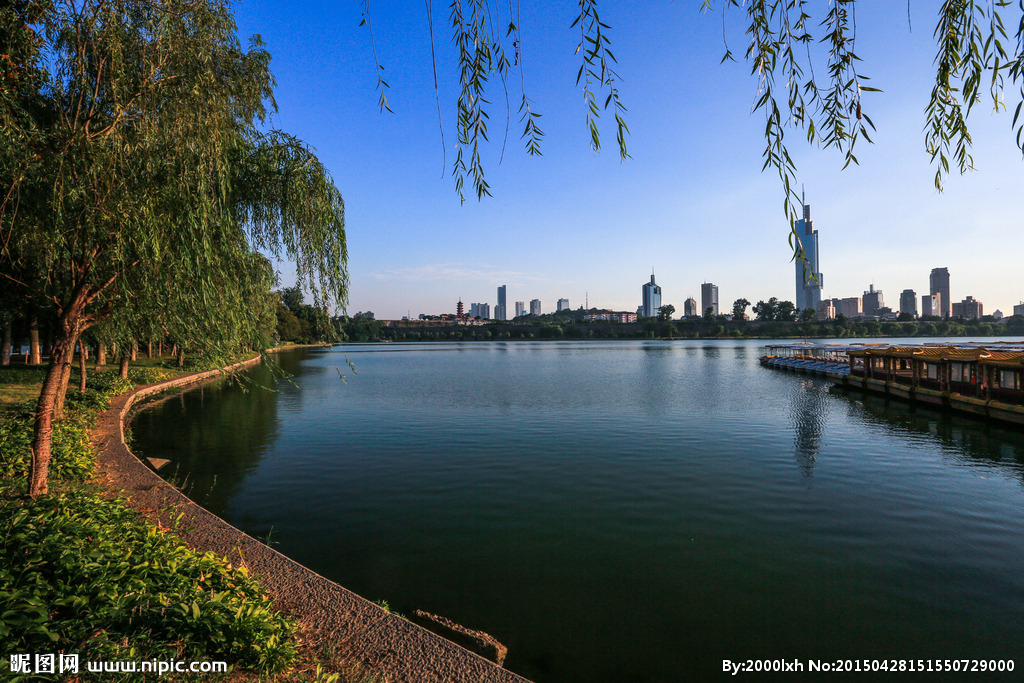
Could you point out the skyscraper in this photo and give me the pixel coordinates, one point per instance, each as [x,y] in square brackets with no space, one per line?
[651,298]
[908,302]
[535,307]
[938,283]
[520,308]
[708,298]
[563,305]
[690,308]
[872,300]
[500,309]
[809,281]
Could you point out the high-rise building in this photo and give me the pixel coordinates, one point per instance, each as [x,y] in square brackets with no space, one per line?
[708,298]
[809,281]
[851,307]
[474,310]
[931,304]
[938,283]
[908,302]
[651,298]
[872,301]
[535,307]
[969,309]
[520,308]
[500,310]
[563,305]
[1018,309]
[690,308]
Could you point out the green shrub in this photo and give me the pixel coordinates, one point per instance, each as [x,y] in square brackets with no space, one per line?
[82,574]
[149,375]
[72,456]
[107,383]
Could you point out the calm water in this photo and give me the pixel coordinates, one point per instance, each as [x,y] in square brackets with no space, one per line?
[622,511]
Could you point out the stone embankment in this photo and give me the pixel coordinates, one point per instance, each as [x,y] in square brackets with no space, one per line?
[390,647]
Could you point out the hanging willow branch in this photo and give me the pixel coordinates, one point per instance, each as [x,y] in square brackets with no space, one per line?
[831,112]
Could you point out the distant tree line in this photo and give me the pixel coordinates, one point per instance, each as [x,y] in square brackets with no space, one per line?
[713,327]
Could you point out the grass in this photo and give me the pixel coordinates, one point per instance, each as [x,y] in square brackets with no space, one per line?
[83,574]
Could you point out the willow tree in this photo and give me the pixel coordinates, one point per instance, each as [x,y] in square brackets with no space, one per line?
[157,182]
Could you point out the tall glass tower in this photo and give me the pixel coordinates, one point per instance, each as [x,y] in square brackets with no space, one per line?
[500,310]
[709,298]
[651,298]
[809,281]
[938,283]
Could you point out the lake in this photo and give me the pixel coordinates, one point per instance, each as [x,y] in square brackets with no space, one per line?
[620,510]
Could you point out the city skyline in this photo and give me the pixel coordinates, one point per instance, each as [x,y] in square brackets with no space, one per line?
[693,188]
[870,303]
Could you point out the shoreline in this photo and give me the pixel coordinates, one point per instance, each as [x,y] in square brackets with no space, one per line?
[327,613]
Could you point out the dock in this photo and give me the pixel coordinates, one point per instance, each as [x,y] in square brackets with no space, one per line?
[983,379]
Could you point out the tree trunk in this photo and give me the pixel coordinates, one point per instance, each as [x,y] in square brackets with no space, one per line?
[174,350]
[125,359]
[43,438]
[160,349]
[81,366]
[149,349]
[181,357]
[101,355]
[69,328]
[134,348]
[35,357]
[5,351]
[64,376]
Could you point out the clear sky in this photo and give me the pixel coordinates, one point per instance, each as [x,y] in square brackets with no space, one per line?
[692,202]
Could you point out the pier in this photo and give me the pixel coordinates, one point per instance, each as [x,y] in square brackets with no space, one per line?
[984,379]
[807,357]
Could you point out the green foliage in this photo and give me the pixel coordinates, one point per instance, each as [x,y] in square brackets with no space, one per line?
[72,450]
[149,375]
[75,561]
[109,383]
[739,310]
[359,329]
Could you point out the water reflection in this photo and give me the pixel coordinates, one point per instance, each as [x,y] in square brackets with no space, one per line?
[966,441]
[210,457]
[808,412]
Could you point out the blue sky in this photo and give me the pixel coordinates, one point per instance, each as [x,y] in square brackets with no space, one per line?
[692,201]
